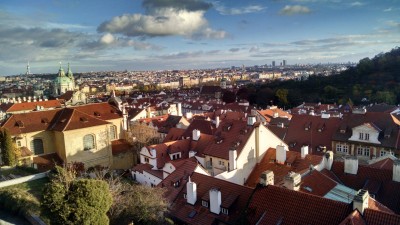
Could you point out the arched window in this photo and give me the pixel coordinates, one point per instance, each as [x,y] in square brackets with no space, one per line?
[88,142]
[37,146]
[113,132]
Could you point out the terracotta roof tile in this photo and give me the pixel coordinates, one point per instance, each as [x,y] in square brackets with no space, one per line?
[377,217]
[47,162]
[120,146]
[280,171]
[30,106]
[71,119]
[274,205]
[355,218]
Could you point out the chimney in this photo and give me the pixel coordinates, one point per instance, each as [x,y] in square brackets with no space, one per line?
[328,160]
[292,181]
[396,170]
[267,178]
[191,192]
[280,154]
[251,120]
[215,200]
[232,159]
[192,154]
[304,151]
[360,200]
[179,108]
[217,121]
[189,115]
[351,164]
[275,115]
[195,135]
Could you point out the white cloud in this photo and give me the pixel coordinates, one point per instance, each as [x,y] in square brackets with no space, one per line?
[223,10]
[357,4]
[162,22]
[107,38]
[295,9]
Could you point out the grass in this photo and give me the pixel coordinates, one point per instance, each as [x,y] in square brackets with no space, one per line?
[21,171]
[34,187]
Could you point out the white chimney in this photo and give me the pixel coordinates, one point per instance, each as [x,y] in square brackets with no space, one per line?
[191,192]
[192,154]
[304,151]
[267,178]
[251,120]
[232,159]
[275,115]
[396,170]
[328,160]
[179,108]
[217,121]
[360,200]
[189,115]
[280,154]
[195,135]
[215,200]
[351,164]
[292,181]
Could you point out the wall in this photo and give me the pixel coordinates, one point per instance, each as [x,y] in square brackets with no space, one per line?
[22,179]
[123,161]
[146,178]
[46,136]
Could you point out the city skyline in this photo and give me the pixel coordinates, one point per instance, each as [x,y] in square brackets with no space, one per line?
[191,34]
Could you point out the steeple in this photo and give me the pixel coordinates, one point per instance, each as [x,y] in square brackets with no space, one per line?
[61,72]
[69,73]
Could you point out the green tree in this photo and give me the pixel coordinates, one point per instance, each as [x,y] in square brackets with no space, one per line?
[282,95]
[137,203]
[70,201]
[10,152]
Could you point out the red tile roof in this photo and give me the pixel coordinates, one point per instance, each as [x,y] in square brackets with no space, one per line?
[47,162]
[71,119]
[174,134]
[120,146]
[103,111]
[377,217]
[299,165]
[181,210]
[355,218]
[318,183]
[229,133]
[275,205]
[313,131]
[29,106]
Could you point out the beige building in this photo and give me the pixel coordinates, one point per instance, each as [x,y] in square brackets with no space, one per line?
[77,134]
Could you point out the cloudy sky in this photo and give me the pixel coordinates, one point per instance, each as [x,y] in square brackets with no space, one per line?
[98,35]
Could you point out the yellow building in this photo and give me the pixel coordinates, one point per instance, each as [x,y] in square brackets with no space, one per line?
[77,134]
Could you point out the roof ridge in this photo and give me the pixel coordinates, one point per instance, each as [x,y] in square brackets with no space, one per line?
[69,119]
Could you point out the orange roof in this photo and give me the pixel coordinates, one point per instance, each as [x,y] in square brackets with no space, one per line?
[120,146]
[298,165]
[30,106]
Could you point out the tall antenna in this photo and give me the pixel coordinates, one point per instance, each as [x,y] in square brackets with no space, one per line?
[28,71]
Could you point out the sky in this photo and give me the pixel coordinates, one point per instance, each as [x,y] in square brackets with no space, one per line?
[104,35]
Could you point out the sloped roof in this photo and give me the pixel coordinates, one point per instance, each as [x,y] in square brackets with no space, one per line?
[377,217]
[72,119]
[174,134]
[229,133]
[29,106]
[241,194]
[274,205]
[120,146]
[102,111]
[298,165]
[204,126]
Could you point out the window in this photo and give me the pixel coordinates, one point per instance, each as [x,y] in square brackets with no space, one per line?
[342,148]
[359,150]
[146,160]
[383,152]
[367,137]
[176,183]
[339,148]
[88,142]
[204,203]
[113,132]
[363,151]
[224,211]
[19,143]
[37,146]
[221,163]
[361,137]
[366,151]
[345,148]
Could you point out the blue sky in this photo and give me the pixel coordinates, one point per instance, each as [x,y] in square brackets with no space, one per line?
[98,35]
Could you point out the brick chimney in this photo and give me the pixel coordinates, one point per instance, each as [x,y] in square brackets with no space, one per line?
[351,164]
[280,154]
[196,135]
[396,170]
[191,192]
[292,181]
[304,151]
[267,178]
[215,200]
[360,200]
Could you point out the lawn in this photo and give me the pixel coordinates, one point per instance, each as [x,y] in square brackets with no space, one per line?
[34,187]
[20,171]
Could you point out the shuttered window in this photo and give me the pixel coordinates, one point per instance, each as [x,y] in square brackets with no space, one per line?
[37,146]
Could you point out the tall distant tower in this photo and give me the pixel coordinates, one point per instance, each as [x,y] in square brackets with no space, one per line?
[273,63]
[28,70]
[284,63]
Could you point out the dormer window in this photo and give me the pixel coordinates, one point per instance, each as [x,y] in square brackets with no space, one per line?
[361,136]
[184,195]
[204,203]
[224,211]
[176,184]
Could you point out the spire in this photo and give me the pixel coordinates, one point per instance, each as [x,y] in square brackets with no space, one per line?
[61,71]
[28,71]
[69,72]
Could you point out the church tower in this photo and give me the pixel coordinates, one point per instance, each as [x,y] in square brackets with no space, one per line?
[63,83]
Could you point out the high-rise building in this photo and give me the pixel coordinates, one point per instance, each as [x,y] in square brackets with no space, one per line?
[284,63]
[273,63]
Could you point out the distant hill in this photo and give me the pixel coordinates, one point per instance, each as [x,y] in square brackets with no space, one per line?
[372,80]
